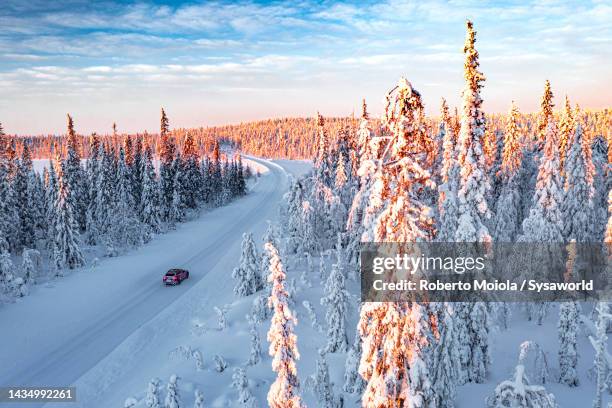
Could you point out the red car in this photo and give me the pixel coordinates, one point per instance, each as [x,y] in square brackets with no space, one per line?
[175,276]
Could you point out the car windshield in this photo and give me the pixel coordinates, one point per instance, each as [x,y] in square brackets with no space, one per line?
[171,273]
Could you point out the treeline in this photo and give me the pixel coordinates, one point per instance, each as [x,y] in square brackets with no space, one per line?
[117,199]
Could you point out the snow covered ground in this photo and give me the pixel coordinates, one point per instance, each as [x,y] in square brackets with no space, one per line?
[109,329]
[96,325]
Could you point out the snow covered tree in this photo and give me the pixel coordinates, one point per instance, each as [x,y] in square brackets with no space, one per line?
[255,354]
[220,363]
[150,210]
[66,245]
[336,299]
[405,218]
[167,152]
[7,269]
[172,397]
[444,365]
[473,188]
[353,383]
[577,207]
[73,176]
[601,347]
[152,397]
[567,127]
[247,274]
[568,352]
[27,265]
[199,399]
[191,171]
[546,113]
[284,392]
[241,384]
[322,385]
[518,393]
[479,343]
[323,171]
[125,227]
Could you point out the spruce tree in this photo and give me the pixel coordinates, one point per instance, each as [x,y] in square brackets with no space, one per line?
[247,275]
[167,176]
[66,247]
[172,397]
[73,176]
[577,204]
[568,351]
[322,385]
[284,392]
[336,299]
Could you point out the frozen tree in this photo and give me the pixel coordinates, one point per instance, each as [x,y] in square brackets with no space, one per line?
[405,218]
[66,245]
[322,385]
[247,274]
[220,363]
[7,269]
[241,384]
[601,346]
[73,176]
[314,322]
[149,202]
[197,356]
[473,188]
[508,206]
[259,309]
[284,392]
[294,228]
[255,354]
[172,397]
[221,318]
[546,113]
[567,126]
[395,337]
[27,265]
[577,204]
[568,352]
[444,366]
[167,152]
[353,383]
[518,393]
[449,211]
[152,397]
[336,300]
[199,399]
[479,344]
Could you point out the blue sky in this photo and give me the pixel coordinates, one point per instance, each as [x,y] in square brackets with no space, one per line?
[210,63]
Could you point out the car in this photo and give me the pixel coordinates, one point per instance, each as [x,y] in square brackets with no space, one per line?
[175,276]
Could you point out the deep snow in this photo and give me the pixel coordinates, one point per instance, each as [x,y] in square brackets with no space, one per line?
[109,329]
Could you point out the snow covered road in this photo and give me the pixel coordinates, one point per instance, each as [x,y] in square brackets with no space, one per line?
[68,333]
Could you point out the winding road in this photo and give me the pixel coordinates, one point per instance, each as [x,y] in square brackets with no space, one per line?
[57,336]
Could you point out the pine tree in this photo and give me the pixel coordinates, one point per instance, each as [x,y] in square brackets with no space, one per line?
[247,274]
[255,354]
[167,176]
[473,188]
[172,397]
[577,207]
[444,369]
[284,392]
[7,269]
[568,352]
[152,397]
[73,176]
[199,399]
[67,251]
[353,383]
[241,384]
[601,346]
[25,200]
[322,386]
[336,299]
[546,113]
[150,210]
[566,132]
[191,171]
[405,218]
[125,228]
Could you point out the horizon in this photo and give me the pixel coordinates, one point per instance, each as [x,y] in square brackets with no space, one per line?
[219,63]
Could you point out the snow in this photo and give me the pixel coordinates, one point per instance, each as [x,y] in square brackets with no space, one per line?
[105,328]
[111,328]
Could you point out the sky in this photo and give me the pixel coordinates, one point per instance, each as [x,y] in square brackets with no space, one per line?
[211,63]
